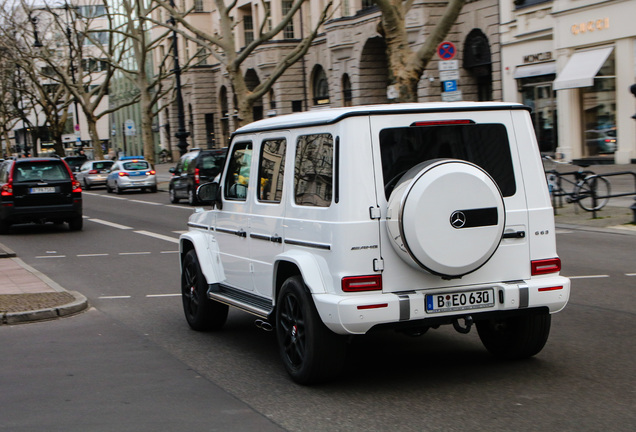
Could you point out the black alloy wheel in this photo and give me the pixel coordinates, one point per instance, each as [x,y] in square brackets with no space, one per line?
[201,313]
[310,351]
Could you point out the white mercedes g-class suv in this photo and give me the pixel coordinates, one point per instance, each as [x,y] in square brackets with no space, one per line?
[408,216]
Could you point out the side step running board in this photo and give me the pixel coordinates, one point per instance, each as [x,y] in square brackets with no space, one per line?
[250,303]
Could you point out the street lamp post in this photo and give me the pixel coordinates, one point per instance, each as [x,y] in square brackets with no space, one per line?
[181,133]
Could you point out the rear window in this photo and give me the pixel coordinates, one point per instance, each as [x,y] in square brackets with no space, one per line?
[102,165]
[40,171]
[211,162]
[485,145]
[136,165]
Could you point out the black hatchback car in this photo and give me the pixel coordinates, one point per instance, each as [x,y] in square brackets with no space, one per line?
[39,190]
[193,169]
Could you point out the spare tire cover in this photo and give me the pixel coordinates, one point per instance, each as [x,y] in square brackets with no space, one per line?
[446,216]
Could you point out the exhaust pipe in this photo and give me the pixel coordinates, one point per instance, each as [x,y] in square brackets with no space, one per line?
[263,325]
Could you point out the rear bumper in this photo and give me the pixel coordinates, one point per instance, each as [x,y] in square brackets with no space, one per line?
[12,214]
[358,314]
[128,184]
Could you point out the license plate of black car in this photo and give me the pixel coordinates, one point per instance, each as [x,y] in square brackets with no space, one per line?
[39,190]
[458,301]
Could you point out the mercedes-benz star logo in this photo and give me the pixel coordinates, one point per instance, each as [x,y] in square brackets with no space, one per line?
[458,219]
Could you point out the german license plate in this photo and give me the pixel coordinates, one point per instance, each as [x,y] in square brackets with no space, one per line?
[458,301]
[39,190]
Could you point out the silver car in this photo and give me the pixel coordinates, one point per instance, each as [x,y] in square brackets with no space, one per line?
[93,173]
[131,173]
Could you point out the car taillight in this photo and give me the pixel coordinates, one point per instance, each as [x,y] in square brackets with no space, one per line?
[6,189]
[151,172]
[77,187]
[93,172]
[362,283]
[123,174]
[196,176]
[545,266]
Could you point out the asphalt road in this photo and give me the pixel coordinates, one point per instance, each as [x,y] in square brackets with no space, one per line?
[132,362]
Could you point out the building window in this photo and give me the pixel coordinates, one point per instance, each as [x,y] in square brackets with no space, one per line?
[288,33]
[91,11]
[321,86]
[525,3]
[98,37]
[209,130]
[346,91]
[248,29]
[198,5]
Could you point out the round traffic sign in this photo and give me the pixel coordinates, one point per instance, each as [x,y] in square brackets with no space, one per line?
[446,50]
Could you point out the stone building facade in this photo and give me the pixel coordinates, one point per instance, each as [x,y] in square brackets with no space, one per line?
[346,65]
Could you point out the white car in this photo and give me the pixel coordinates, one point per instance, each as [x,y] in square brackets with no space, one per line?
[93,173]
[131,172]
[332,223]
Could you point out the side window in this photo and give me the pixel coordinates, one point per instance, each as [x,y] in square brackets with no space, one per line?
[313,170]
[271,170]
[238,172]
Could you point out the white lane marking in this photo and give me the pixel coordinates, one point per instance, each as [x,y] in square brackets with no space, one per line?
[162,295]
[169,252]
[114,297]
[158,236]
[135,253]
[93,255]
[179,207]
[180,232]
[111,224]
[145,202]
[112,197]
[630,274]
[588,277]
[51,256]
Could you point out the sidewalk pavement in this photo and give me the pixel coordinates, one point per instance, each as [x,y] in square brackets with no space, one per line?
[27,295]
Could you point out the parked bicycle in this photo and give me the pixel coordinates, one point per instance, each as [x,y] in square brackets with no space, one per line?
[591,192]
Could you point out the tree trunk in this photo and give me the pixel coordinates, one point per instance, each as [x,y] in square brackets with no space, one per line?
[98,153]
[146,125]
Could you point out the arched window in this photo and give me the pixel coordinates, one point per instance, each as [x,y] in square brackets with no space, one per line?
[478,61]
[321,86]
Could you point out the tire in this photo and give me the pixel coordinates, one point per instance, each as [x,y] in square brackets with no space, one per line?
[600,186]
[116,189]
[192,197]
[201,313]
[76,224]
[153,189]
[86,185]
[310,351]
[517,337]
[173,196]
[108,189]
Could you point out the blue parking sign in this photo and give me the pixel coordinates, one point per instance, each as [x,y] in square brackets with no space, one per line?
[450,85]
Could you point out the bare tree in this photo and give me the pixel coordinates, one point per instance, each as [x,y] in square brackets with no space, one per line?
[28,92]
[406,65]
[223,47]
[133,29]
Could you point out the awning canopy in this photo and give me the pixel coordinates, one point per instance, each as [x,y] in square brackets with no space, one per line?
[581,69]
[533,70]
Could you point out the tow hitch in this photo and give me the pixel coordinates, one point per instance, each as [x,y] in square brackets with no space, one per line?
[468,324]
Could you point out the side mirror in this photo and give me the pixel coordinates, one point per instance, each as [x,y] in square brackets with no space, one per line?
[172,170]
[210,193]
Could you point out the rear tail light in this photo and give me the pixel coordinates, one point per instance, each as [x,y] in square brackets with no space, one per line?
[77,187]
[93,172]
[545,266]
[151,172]
[123,174]
[362,283]
[196,176]
[6,189]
